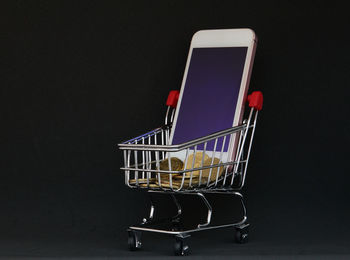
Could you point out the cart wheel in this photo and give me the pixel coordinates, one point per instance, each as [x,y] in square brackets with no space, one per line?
[242,235]
[180,248]
[134,240]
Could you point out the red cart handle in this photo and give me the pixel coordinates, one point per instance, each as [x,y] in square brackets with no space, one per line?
[256,100]
[173,97]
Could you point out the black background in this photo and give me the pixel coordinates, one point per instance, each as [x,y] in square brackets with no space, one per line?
[78,77]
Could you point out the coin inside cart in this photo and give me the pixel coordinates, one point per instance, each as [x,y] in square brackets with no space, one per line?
[151,185]
[176,164]
[141,181]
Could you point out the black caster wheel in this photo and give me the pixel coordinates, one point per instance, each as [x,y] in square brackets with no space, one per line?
[180,247]
[242,235]
[134,240]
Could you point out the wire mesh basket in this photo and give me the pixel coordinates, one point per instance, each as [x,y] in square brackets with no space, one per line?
[151,163]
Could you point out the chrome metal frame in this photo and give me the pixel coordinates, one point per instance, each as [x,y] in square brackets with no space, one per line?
[147,224]
[143,154]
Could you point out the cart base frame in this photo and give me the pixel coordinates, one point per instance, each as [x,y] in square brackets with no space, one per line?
[182,235]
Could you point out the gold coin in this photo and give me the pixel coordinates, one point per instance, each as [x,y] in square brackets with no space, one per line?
[214,171]
[150,180]
[167,177]
[180,176]
[180,181]
[177,183]
[151,185]
[197,162]
[176,164]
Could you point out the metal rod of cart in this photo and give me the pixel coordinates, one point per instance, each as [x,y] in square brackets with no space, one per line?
[151,164]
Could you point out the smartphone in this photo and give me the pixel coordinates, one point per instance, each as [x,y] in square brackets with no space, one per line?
[214,86]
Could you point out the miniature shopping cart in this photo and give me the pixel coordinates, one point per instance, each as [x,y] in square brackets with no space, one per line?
[148,165]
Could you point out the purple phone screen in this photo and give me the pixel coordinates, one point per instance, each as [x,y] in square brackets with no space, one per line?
[211,93]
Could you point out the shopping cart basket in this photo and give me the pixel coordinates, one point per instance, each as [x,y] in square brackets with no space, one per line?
[149,164]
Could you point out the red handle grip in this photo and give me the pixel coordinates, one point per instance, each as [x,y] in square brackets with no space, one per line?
[256,100]
[173,97]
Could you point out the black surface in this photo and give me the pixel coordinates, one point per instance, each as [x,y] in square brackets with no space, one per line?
[80,76]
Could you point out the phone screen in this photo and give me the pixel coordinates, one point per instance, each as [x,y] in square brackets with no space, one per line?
[211,93]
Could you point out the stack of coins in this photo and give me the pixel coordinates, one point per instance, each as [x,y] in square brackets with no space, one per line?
[176,164]
[187,179]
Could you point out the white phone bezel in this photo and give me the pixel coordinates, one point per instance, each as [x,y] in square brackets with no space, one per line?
[224,38]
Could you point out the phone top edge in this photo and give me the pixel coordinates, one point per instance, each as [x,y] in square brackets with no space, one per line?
[224,37]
